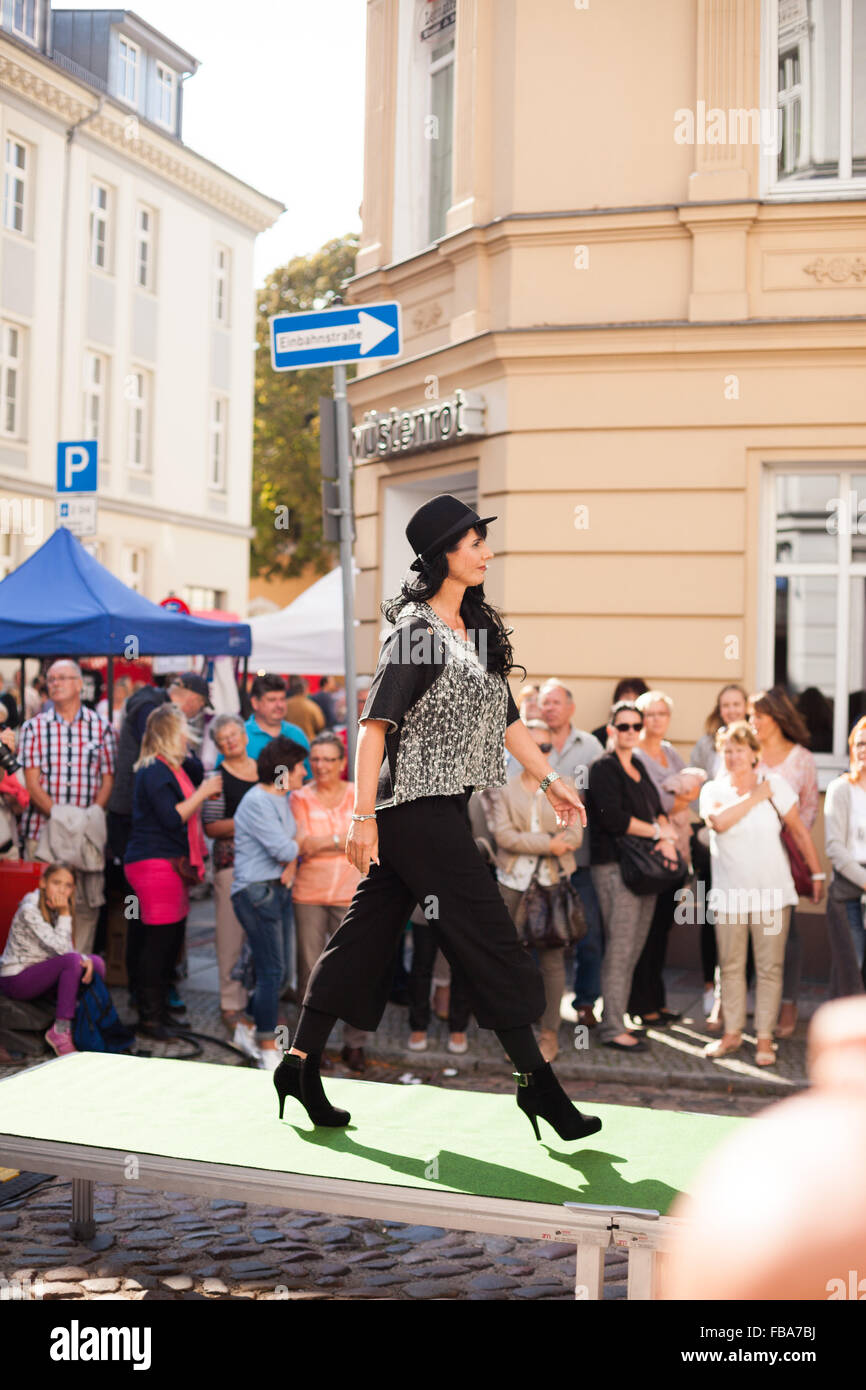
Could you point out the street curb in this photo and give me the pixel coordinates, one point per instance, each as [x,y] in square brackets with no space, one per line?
[620,1073]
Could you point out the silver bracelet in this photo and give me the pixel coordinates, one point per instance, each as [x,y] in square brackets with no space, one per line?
[551,777]
[370,816]
[819,876]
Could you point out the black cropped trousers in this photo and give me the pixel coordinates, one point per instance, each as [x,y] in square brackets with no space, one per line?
[427,855]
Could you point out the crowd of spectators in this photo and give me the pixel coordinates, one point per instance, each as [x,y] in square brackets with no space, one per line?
[728,830]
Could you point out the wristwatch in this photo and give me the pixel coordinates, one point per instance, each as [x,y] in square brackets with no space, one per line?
[551,777]
[657,830]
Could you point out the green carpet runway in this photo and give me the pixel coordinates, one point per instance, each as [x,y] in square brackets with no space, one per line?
[407,1136]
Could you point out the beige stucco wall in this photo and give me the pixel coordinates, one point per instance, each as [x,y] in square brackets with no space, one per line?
[629,348]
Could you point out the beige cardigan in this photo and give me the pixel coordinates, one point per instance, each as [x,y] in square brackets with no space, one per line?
[510,818]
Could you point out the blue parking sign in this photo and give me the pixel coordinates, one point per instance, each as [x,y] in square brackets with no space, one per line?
[77,466]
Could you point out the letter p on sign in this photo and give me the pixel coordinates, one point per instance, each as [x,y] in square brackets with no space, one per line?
[76,466]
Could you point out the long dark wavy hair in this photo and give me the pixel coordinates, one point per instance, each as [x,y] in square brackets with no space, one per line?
[477,612]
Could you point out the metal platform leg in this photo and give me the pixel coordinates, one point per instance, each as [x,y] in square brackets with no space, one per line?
[83,1225]
[642,1272]
[589,1276]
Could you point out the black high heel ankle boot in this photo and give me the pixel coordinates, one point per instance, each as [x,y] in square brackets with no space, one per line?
[299,1077]
[539,1093]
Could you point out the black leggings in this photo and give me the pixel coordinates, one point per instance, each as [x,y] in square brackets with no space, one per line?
[424,946]
[314,1029]
[152,951]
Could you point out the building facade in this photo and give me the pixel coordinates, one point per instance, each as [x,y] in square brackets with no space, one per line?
[633,239]
[126,304]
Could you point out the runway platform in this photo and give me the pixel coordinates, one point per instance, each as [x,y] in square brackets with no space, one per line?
[464,1160]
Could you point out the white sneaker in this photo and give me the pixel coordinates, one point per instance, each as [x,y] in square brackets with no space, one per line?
[419,1046]
[244,1037]
[457,1047]
[270,1058]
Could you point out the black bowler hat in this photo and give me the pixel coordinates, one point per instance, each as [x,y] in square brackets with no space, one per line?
[434,524]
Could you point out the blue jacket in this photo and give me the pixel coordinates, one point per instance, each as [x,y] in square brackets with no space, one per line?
[157,830]
[264,837]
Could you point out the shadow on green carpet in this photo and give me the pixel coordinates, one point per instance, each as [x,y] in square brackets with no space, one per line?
[596,1180]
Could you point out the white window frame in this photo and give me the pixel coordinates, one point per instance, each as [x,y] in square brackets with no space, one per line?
[145,240]
[809,189]
[203,597]
[218,435]
[8,553]
[222,280]
[16,174]
[435,66]
[133,567]
[100,217]
[163,87]
[125,48]
[138,420]
[11,379]
[843,569]
[96,398]
[26,6]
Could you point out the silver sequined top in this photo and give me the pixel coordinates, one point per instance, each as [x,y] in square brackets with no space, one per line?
[447,713]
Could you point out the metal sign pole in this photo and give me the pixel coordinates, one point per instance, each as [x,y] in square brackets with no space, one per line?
[345,489]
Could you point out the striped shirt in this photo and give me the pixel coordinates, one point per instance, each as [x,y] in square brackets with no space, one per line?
[73,759]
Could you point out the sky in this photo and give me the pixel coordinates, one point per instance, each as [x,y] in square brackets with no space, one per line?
[278,101]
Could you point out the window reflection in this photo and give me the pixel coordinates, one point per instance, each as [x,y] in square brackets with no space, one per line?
[807,518]
[822,120]
[805,646]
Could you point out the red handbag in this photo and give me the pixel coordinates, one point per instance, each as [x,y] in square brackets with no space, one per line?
[800,871]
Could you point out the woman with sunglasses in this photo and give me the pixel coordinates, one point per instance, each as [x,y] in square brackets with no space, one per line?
[677,789]
[529,844]
[622,800]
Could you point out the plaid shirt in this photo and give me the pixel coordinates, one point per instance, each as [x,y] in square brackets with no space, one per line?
[73,759]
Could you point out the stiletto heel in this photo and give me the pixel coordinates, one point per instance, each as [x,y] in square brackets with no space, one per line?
[540,1094]
[299,1077]
[532,1120]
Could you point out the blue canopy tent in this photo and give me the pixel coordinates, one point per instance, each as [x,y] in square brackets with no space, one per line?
[62,601]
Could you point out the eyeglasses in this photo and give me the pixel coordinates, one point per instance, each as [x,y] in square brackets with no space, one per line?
[326,760]
[626,728]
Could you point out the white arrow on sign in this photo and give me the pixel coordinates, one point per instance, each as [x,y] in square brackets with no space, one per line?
[368,332]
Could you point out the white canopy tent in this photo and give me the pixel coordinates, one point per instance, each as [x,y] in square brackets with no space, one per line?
[305,636]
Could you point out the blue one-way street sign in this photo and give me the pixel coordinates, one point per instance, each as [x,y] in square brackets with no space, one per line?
[326,336]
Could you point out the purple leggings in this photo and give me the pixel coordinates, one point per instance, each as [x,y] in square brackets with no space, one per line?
[64,971]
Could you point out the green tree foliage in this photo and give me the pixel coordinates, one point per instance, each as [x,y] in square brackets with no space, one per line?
[287,496]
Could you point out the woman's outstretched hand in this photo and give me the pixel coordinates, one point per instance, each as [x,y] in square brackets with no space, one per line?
[362,845]
[566,803]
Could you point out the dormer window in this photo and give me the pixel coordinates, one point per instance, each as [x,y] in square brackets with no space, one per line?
[24,16]
[166,96]
[128,64]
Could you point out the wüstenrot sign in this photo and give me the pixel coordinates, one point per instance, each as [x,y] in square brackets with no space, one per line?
[396,432]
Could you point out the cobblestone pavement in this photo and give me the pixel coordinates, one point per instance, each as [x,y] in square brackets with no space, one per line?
[154,1245]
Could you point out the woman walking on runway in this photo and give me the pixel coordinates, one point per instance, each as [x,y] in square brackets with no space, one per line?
[436,723]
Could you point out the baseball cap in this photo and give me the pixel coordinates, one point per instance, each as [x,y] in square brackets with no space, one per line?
[191,680]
